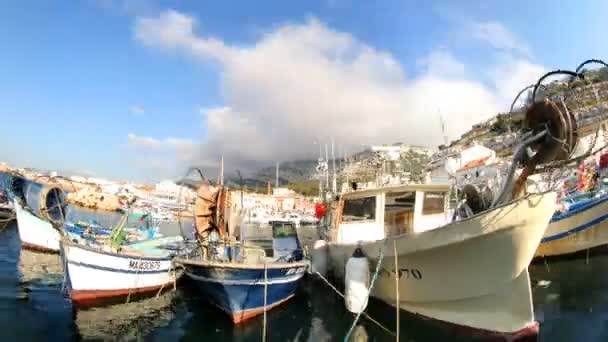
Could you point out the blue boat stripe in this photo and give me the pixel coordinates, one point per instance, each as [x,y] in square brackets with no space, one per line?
[576,210]
[576,229]
[283,280]
[109,269]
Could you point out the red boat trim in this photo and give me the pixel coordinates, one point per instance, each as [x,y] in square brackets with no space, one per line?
[242,316]
[87,297]
[528,333]
[37,248]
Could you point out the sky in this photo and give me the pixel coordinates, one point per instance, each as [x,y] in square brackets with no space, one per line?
[141,90]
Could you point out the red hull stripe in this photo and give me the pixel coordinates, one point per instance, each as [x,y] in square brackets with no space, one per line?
[241,316]
[527,334]
[92,296]
[37,248]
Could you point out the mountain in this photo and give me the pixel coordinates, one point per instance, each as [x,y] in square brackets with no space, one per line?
[289,172]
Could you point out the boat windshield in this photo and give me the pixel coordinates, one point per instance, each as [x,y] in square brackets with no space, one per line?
[359,209]
[283,229]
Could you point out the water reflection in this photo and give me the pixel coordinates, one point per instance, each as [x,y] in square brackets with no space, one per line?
[571,298]
[129,321]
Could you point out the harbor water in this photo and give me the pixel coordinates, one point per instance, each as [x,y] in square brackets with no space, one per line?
[570,298]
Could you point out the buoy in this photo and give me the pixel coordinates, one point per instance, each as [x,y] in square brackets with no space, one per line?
[319,257]
[356,282]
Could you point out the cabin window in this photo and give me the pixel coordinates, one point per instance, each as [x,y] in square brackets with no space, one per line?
[360,209]
[399,212]
[433,203]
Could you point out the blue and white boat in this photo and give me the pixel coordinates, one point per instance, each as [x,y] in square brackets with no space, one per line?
[581,225]
[242,280]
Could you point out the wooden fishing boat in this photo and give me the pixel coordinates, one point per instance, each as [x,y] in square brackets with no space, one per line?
[580,226]
[242,280]
[99,268]
[471,273]
[95,275]
[40,211]
[467,269]
[35,233]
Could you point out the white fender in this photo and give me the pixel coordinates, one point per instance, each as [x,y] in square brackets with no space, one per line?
[319,257]
[356,282]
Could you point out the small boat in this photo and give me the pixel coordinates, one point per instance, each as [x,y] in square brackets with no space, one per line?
[35,233]
[7,211]
[40,211]
[98,269]
[241,279]
[580,226]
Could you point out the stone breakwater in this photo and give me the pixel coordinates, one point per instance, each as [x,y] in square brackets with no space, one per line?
[92,198]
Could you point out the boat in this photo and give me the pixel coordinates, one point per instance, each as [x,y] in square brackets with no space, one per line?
[40,211]
[35,233]
[102,269]
[483,260]
[466,267]
[241,279]
[579,226]
[7,211]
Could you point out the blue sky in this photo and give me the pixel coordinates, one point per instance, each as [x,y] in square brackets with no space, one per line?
[93,87]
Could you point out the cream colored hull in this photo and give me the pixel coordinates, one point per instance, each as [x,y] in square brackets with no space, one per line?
[35,233]
[579,231]
[471,273]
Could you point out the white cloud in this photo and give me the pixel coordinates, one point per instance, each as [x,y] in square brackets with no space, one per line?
[183,150]
[499,37]
[305,82]
[515,74]
[137,110]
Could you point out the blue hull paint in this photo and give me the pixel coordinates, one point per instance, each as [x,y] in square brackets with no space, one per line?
[236,290]
[577,208]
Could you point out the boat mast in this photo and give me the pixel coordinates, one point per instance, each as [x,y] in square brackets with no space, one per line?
[333,157]
[276,184]
[222,171]
[327,169]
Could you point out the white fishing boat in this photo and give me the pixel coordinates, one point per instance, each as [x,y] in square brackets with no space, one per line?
[35,233]
[471,273]
[466,267]
[99,273]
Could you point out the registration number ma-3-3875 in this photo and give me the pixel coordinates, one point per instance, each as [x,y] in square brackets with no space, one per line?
[144,265]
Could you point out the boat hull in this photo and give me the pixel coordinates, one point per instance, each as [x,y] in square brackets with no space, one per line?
[238,290]
[471,273]
[95,276]
[36,234]
[577,230]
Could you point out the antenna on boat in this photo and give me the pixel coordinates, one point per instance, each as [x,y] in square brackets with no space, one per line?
[221,180]
[276,183]
[333,157]
[326,169]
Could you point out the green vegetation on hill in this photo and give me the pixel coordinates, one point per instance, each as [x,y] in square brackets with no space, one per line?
[305,187]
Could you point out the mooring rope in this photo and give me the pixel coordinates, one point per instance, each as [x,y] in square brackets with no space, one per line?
[265,299]
[342,295]
[396,287]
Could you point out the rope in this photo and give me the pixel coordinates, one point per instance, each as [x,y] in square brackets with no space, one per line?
[8,219]
[265,299]
[396,287]
[371,286]
[136,281]
[65,269]
[364,313]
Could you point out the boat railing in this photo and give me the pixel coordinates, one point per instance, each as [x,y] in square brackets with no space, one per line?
[240,252]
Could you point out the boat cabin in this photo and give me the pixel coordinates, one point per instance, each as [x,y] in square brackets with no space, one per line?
[374,214]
